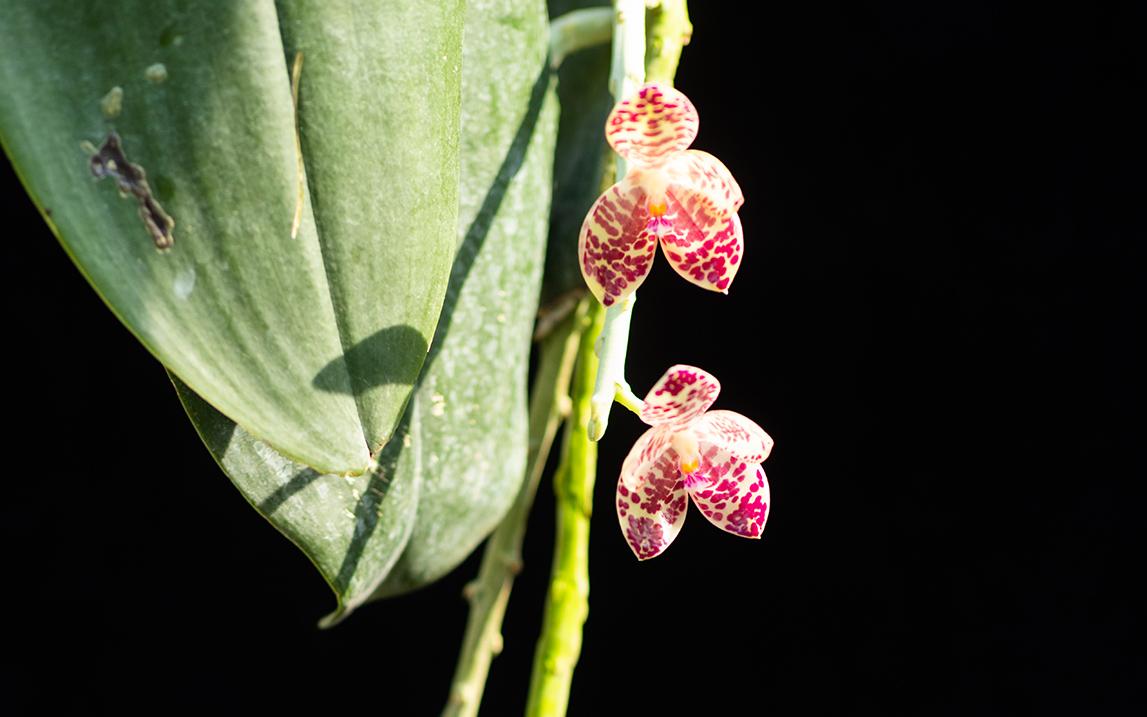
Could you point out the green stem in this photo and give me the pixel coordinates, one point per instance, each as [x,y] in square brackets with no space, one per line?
[627,67]
[668,31]
[626,397]
[594,390]
[627,73]
[567,602]
[611,346]
[490,591]
[639,55]
[578,30]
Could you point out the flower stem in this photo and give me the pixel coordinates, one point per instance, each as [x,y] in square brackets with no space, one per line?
[490,591]
[627,67]
[627,73]
[626,397]
[578,30]
[567,602]
[611,347]
[668,31]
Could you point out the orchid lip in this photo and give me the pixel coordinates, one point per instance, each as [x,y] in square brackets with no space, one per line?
[688,451]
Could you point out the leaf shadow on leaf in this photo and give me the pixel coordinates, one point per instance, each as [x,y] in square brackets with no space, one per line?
[333,376]
[283,493]
[579,161]
[378,511]
[408,573]
[368,509]
[476,233]
[399,340]
[217,435]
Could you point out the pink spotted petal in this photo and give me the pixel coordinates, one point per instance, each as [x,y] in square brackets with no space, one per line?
[680,397]
[616,246]
[697,172]
[649,126]
[736,434]
[735,496]
[645,452]
[704,241]
[652,514]
[707,256]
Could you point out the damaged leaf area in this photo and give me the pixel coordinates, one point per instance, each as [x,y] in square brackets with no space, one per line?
[110,161]
[300,300]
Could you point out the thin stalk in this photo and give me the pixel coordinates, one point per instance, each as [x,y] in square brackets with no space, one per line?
[627,66]
[567,602]
[668,31]
[611,346]
[490,591]
[627,74]
[578,30]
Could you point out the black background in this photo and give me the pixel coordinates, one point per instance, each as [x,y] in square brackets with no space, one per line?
[935,320]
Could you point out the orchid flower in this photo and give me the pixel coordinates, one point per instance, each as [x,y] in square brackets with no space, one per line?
[686,199]
[712,456]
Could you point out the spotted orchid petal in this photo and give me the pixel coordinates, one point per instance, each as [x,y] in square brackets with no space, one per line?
[680,397]
[736,434]
[651,515]
[645,452]
[648,127]
[617,244]
[707,257]
[735,496]
[696,172]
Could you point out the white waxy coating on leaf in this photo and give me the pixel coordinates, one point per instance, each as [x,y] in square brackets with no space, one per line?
[112,103]
[156,74]
[184,283]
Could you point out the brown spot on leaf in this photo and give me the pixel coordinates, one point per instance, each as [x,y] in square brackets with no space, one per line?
[110,161]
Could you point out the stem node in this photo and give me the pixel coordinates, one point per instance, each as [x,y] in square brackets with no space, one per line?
[470,590]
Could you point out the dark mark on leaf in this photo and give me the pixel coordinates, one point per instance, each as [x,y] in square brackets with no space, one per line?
[170,36]
[110,161]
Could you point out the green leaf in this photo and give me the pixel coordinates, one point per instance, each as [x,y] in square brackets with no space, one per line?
[463,450]
[378,114]
[311,342]
[471,400]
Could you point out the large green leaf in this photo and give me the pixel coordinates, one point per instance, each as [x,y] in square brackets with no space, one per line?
[463,448]
[310,340]
[378,118]
[471,399]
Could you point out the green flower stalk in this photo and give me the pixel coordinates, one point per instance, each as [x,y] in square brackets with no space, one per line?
[596,386]
[567,603]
